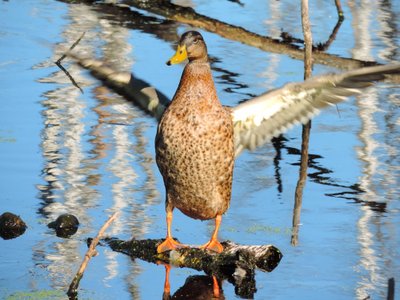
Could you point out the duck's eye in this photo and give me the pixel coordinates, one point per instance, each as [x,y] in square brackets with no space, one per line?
[195,41]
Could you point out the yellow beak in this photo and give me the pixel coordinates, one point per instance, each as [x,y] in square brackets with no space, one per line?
[180,56]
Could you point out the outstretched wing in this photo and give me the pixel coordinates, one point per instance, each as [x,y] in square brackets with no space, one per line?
[139,92]
[259,119]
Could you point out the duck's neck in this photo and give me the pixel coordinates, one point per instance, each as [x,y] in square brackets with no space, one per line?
[197,83]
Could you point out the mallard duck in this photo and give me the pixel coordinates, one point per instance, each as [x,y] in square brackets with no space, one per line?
[197,138]
[194,144]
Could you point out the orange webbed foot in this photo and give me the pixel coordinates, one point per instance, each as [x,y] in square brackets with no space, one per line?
[169,244]
[213,245]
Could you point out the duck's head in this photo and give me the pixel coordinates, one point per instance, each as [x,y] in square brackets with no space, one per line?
[191,46]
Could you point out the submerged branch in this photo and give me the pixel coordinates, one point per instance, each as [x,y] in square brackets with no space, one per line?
[189,16]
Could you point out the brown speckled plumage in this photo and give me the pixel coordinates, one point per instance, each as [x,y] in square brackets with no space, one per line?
[194,147]
[194,143]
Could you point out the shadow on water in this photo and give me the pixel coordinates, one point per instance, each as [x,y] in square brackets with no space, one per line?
[197,287]
[228,78]
[317,173]
[206,287]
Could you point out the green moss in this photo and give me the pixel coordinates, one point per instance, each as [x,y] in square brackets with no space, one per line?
[269,229]
[5,136]
[42,294]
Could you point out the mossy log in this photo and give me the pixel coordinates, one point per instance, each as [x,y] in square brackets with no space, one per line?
[237,263]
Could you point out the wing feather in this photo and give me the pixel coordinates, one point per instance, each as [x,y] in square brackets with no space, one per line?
[259,119]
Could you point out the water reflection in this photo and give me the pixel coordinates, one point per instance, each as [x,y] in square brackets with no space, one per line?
[197,287]
[229,78]
[378,180]
[89,148]
[208,287]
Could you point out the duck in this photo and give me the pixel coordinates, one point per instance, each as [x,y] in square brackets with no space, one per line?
[194,145]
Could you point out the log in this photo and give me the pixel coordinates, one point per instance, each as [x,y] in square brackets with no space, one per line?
[176,14]
[189,16]
[237,263]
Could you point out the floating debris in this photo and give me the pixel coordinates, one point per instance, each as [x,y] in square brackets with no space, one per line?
[65,225]
[11,226]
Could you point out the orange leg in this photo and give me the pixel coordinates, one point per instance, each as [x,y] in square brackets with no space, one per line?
[169,243]
[167,287]
[213,244]
[216,292]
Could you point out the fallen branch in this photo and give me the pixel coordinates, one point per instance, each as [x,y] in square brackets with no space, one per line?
[237,263]
[122,13]
[72,291]
[188,15]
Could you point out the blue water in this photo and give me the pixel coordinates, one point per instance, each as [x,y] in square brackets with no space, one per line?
[92,154]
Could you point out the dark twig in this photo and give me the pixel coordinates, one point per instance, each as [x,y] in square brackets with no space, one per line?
[391,286]
[72,47]
[339,10]
[69,76]
[58,62]
[332,37]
